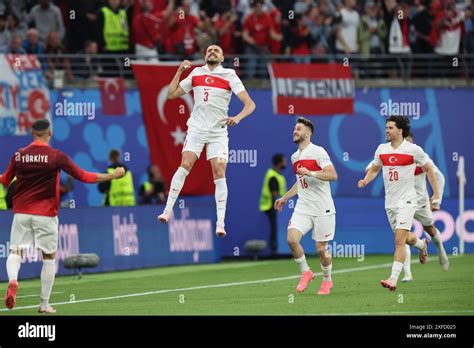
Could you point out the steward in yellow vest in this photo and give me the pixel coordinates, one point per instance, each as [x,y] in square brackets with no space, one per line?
[274,186]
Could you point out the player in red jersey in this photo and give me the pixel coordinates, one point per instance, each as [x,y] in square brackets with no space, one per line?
[35,206]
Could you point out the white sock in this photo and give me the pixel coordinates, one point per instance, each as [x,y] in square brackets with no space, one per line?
[407,263]
[302,263]
[396,269]
[13,266]
[47,280]
[419,244]
[221,199]
[327,272]
[175,188]
[437,239]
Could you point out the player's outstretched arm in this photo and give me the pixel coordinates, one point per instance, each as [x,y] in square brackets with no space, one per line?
[249,107]
[118,173]
[174,89]
[430,174]
[66,164]
[279,203]
[369,176]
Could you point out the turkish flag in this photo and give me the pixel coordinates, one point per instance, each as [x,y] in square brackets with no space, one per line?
[112,95]
[165,123]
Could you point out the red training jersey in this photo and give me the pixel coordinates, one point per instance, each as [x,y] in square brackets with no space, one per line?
[37,169]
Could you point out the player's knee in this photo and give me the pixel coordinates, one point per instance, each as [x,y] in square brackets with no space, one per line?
[187,164]
[292,242]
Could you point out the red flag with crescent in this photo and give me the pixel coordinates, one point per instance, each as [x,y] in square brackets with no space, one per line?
[112,95]
[165,123]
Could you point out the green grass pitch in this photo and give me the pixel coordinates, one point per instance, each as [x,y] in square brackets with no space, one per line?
[259,288]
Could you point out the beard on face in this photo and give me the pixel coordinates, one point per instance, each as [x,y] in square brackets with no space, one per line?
[300,139]
[212,60]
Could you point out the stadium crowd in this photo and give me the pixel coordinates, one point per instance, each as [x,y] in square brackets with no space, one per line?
[155,29]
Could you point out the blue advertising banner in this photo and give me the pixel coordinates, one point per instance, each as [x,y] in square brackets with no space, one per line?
[439,118]
[126,238]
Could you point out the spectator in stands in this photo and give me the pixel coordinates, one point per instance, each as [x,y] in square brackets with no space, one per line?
[347,29]
[276,46]
[330,20]
[89,66]
[257,34]
[422,22]
[46,17]
[57,65]
[182,32]
[206,33]
[84,26]
[372,31]
[314,20]
[301,41]
[120,192]
[226,25]
[447,28]
[153,190]
[14,27]
[4,34]
[32,44]
[114,35]
[14,47]
[151,28]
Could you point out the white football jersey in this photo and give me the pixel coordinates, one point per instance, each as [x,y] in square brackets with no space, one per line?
[398,167]
[212,92]
[420,184]
[314,195]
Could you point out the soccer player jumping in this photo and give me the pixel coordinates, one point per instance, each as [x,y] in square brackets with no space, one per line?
[399,158]
[35,206]
[315,208]
[212,86]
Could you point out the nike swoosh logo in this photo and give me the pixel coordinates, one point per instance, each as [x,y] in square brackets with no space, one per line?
[327,235]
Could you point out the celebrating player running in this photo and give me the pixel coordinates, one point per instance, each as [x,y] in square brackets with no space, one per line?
[37,169]
[399,158]
[212,86]
[315,208]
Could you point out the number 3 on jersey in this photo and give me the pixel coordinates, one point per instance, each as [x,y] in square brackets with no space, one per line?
[393,175]
[304,184]
[206,96]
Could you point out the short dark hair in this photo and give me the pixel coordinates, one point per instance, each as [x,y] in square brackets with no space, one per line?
[306,122]
[277,159]
[410,134]
[402,122]
[41,125]
[114,155]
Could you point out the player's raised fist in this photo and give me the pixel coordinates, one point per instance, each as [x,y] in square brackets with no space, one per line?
[185,65]
[362,183]
[279,203]
[119,172]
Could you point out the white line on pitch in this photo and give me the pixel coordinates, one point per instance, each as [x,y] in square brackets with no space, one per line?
[348,270]
[25,296]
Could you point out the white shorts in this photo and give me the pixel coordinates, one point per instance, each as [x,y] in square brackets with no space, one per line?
[401,217]
[42,230]
[324,227]
[424,215]
[217,145]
